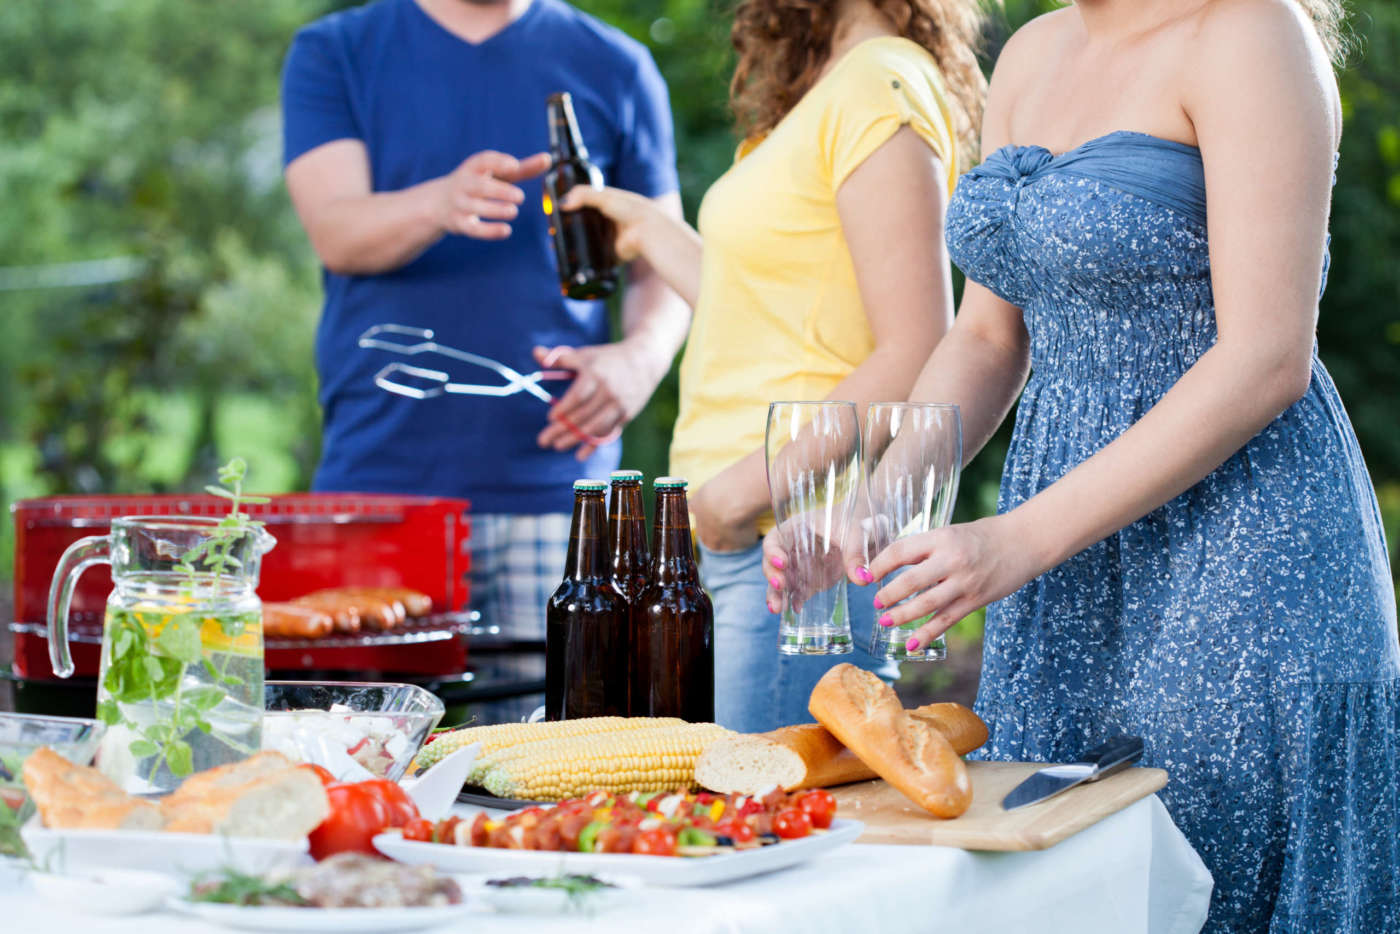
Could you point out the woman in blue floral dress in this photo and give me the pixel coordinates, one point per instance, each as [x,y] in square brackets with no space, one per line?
[1187,545]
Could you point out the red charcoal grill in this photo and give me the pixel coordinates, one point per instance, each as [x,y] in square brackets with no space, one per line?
[323,540]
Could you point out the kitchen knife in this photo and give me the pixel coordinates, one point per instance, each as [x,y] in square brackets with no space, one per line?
[1110,757]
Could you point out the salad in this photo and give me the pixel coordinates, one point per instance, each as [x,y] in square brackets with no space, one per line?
[678,823]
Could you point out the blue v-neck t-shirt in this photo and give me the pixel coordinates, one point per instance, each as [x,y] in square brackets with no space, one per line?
[422,100]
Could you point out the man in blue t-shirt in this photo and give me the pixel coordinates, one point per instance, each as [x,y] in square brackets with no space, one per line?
[398,120]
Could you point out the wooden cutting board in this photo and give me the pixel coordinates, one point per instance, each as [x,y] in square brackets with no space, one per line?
[890,817]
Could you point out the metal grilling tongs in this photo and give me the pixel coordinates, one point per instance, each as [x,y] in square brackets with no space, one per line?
[416,382]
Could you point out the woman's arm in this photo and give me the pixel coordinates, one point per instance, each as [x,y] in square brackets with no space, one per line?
[646,230]
[356,231]
[891,208]
[1263,104]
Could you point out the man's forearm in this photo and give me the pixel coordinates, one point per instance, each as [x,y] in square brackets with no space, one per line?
[655,320]
[368,234]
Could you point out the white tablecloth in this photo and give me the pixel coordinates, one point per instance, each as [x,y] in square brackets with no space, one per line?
[1132,872]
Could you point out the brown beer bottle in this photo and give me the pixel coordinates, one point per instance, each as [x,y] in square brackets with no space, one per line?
[674,658]
[585,621]
[631,560]
[583,239]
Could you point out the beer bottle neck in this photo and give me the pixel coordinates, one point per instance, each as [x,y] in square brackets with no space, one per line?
[673,558]
[628,522]
[588,546]
[565,141]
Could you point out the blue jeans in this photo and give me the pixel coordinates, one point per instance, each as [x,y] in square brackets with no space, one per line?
[756,688]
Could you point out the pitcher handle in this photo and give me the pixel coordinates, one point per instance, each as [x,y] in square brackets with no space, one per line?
[81,555]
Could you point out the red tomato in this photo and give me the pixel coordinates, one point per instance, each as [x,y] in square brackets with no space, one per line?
[658,841]
[418,829]
[791,823]
[356,815]
[397,804]
[323,773]
[736,829]
[751,806]
[819,805]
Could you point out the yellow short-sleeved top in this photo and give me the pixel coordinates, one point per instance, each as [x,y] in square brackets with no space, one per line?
[779,315]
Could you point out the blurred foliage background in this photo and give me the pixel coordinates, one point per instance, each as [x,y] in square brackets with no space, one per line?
[159,298]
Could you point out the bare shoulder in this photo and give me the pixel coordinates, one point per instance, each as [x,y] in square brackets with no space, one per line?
[1027,49]
[1244,50]
[1019,65]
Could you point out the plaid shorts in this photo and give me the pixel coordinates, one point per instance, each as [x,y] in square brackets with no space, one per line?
[517,562]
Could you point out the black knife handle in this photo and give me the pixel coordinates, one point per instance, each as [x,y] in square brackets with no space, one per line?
[1113,756]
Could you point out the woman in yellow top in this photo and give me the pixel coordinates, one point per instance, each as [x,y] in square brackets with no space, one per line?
[818,272]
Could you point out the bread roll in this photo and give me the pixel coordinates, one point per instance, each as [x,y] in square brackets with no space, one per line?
[905,750]
[808,756]
[291,621]
[78,797]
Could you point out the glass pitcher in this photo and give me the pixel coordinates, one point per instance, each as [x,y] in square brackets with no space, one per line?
[181,682]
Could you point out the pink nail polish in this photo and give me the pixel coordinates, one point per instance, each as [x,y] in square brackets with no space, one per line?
[771,607]
[865,577]
[778,563]
[886,621]
[777,584]
[912,645]
[879,604]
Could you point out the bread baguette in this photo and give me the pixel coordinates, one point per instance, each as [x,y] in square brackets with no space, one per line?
[79,797]
[808,756]
[963,729]
[905,750]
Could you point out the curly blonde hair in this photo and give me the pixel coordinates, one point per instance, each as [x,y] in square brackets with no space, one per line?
[1327,17]
[784,44]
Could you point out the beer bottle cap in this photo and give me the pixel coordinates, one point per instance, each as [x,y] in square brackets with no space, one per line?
[669,483]
[625,475]
[589,486]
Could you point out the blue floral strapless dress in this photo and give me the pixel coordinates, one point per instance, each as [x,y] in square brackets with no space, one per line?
[1247,628]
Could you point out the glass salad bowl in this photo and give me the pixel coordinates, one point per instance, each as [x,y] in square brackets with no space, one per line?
[355,730]
[74,738]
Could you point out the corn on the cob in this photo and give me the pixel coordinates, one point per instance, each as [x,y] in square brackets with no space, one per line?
[656,759]
[505,735]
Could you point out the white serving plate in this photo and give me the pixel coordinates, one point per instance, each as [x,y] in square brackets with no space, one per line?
[652,870]
[106,892]
[340,920]
[178,854]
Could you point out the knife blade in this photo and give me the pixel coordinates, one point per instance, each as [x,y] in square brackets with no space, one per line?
[1108,758]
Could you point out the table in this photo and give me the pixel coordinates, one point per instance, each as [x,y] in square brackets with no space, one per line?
[1132,872]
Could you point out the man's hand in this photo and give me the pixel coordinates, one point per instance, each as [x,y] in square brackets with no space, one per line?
[477,197]
[612,383]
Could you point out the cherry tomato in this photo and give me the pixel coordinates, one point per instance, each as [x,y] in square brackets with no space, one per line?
[357,814]
[658,841]
[736,829]
[418,829]
[397,804]
[323,773]
[819,805]
[751,806]
[791,823]
[479,832]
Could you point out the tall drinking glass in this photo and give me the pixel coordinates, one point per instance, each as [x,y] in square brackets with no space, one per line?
[913,459]
[813,452]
